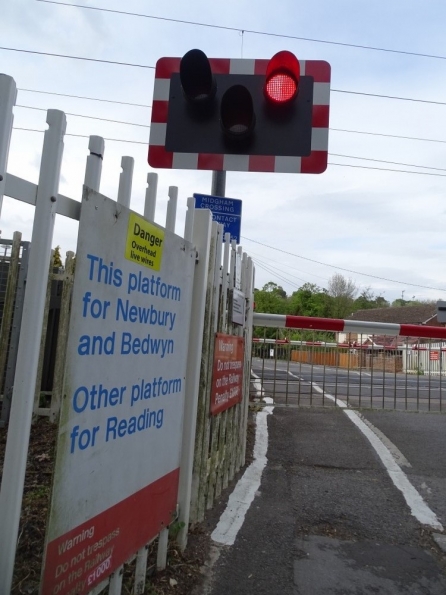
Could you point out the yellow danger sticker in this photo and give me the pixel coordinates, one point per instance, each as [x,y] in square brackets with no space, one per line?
[145,243]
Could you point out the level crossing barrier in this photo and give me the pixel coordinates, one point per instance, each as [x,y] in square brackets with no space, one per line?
[306,361]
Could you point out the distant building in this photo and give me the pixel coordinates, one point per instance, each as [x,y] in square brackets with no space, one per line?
[397,353]
[424,314]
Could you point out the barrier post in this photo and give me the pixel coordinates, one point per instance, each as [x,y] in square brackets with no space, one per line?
[172,208]
[8,96]
[150,202]
[11,491]
[201,240]
[93,168]
[125,181]
[189,222]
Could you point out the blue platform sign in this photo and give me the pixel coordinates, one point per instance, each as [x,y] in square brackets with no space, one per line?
[227,211]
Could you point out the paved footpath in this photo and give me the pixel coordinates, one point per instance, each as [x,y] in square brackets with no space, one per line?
[327,520]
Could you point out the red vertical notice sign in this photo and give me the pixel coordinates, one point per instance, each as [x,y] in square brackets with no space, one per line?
[227,375]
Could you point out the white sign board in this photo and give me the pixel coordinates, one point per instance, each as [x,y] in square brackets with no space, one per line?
[238,307]
[118,453]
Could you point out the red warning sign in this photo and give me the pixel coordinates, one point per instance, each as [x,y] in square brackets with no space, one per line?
[227,376]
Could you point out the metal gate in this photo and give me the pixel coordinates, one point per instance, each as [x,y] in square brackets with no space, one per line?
[351,363]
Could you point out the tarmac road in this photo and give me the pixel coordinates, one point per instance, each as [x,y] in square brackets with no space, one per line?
[327,518]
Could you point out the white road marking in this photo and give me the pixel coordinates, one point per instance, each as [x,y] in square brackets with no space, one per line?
[420,510]
[338,402]
[257,384]
[418,507]
[294,376]
[396,453]
[244,493]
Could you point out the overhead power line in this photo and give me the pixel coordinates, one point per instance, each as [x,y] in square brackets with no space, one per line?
[244,30]
[401,171]
[148,126]
[42,109]
[325,264]
[53,55]
[270,267]
[98,60]
[261,243]
[415,138]
[117,140]
[427,140]
[413,99]
[274,262]
[385,161]
[275,274]
[84,97]
[419,173]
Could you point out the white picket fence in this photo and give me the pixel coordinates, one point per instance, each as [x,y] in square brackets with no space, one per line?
[207,463]
[426,358]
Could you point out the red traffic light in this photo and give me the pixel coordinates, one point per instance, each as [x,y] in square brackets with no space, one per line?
[282,78]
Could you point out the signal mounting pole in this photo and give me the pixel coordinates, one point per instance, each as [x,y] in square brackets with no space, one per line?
[218,183]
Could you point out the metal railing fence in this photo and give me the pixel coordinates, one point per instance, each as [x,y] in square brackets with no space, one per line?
[298,367]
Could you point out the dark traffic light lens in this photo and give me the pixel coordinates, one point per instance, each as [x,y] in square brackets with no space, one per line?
[237,113]
[281,87]
[196,77]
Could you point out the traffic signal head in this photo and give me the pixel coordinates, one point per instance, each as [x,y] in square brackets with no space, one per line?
[282,78]
[244,115]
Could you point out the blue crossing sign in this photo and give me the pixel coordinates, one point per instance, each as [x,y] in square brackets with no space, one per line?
[227,211]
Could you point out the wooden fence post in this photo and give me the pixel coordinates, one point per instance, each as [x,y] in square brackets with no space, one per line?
[62,337]
[37,409]
[8,307]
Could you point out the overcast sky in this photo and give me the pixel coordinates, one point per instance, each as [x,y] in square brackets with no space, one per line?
[379,223]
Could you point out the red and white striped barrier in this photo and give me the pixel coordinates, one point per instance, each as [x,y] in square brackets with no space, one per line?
[349,326]
[417,347]
[318,344]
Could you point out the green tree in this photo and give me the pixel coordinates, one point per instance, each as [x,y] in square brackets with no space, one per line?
[381,302]
[367,300]
[309,300]
[272,287]
[57,258]
[398,303]
[402,302]
[270,299]
[343,292]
